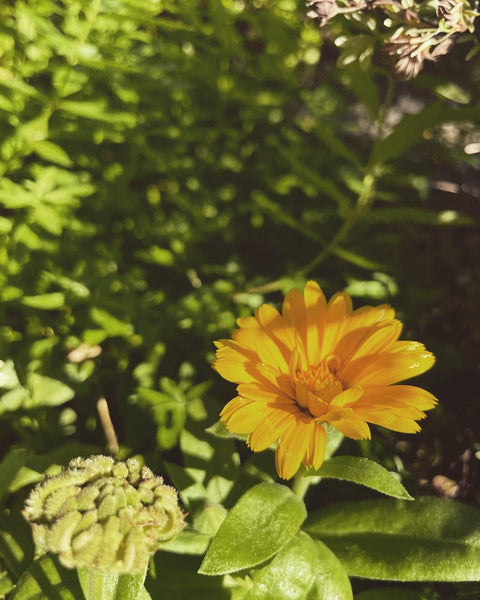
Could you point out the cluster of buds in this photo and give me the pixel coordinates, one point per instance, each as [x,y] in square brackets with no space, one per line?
[323,10]
[106,515]
[415,39]
[410,48]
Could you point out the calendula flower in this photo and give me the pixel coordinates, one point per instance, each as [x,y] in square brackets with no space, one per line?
[319,364]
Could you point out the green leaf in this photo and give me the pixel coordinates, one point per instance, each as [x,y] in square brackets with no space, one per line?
[47,579]
[111,325]
[52,153]
[6,584]
[156,255]
[411,128]
[9,468]
[219,429]
[51,301]
[98,110]
[391,593]
[358,260]
[364,472]
[175,577]
[360,81]
[188,541]
[259,524]
[48,392]
[302,569]
[423,216]
[16,546]
[431,539]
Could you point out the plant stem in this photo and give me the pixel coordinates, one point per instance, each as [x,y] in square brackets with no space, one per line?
[102,585]
[362,204]
[301,483]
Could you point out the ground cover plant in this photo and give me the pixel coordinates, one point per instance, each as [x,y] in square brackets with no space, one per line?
[174,174]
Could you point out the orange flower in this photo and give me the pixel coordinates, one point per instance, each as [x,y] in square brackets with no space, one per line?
[319,363]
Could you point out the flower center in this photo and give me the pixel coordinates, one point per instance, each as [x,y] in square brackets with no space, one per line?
[317,386]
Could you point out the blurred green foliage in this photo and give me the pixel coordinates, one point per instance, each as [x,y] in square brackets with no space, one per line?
[164,166]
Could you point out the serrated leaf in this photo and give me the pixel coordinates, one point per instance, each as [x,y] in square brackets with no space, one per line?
[431,539]
[264,519]
[364,472]
[303,569]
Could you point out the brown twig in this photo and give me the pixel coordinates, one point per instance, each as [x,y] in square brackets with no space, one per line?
[108,429]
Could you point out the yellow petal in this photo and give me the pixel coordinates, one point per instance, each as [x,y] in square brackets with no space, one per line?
[315,453]
[248,336]
[294,312]
[292,446]
[408,395]
[272,427]
[315,310]
[233,370]
[235,351]
[264,392]
[347,397]
[277,328]
[389,420]
[353,428]
[389,367]
[368,341]
[248,322]
[368,316]
[266,373]
[379,340]
[241,415]
[269,353]
[338,309]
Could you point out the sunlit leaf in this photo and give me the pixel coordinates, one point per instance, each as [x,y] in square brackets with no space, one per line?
[264,518]
[302,569]
[430,539]
[364,472]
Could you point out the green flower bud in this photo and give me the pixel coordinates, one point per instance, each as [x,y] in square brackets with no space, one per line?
[106,515]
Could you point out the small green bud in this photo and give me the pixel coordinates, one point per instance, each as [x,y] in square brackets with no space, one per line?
[106,515]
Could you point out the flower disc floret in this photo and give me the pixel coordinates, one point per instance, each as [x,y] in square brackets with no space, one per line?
[103,514]
[317,364]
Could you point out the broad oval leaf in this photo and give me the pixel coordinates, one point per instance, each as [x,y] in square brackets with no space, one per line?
[259,524]
[365,472]
[302,569]
[431,539]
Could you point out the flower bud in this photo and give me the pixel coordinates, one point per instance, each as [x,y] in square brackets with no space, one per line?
[102,514]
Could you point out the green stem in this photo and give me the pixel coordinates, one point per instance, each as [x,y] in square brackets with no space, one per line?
[301,483]
[366,196]
[103,585]
[357,211]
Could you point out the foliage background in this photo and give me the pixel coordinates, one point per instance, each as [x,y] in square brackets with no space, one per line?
[167,167]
